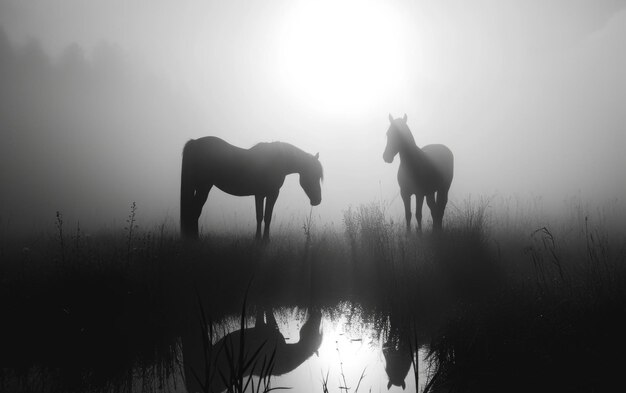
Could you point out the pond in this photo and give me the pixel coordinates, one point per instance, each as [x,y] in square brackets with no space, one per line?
[354,352]
[344,307]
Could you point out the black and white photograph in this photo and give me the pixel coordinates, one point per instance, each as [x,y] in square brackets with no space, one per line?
[317,196]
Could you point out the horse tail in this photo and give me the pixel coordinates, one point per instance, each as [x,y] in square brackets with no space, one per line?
[187,191]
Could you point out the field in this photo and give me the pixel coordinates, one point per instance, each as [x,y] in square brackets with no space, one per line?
[501,303]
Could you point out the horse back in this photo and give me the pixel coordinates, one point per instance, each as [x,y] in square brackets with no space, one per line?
[234,170]
[212,147]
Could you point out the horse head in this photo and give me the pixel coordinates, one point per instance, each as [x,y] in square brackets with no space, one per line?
[397,135]
[310,179]
[397,364]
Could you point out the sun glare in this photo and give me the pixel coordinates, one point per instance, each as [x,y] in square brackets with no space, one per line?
[342,56]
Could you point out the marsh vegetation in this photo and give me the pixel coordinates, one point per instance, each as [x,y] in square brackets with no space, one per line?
[492,303]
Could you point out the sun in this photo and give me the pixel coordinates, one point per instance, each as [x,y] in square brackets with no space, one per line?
[342,55]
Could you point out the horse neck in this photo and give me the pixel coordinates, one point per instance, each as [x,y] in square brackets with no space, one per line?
[291,356]
[411,153]
[292,159]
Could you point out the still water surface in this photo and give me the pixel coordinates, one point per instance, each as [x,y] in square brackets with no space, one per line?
[350,357]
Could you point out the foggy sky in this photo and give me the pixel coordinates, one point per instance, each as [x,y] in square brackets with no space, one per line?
[98,99]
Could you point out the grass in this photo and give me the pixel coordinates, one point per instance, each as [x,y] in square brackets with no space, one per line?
[242,361]
[498,306]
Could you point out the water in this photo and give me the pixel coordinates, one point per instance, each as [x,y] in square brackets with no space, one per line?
[350,357]
[349,350]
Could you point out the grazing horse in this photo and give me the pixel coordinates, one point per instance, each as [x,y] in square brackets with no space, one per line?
[210,369]
[422,172]
[258,171]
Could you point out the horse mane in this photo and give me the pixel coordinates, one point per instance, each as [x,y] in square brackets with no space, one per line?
[283,147]
[405,133]
[289,151]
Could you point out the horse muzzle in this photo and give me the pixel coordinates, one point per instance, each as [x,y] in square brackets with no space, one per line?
[316,202]
[387,158]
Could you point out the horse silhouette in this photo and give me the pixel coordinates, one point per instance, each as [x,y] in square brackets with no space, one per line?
[398,358]
[422,172]
[400,350]
[261,342]
[258,171]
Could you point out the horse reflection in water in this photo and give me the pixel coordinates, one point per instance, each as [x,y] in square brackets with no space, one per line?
[422,172]
[398,358]
[258,171]
[400,352]
[262,343]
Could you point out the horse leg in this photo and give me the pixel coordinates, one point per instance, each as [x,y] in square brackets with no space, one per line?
[406,198]
[418,211]
[442,200]
[258,200]
[269,208]
[432,205]
[200,197]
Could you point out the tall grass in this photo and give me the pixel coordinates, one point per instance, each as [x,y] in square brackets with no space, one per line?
[243,363]
[130,229]
[553,323]
[494,301]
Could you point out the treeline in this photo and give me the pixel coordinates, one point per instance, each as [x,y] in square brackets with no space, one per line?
[85,132]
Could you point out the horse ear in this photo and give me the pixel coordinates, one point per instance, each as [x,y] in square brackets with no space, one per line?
[404,118]
[317,156]
[390,118]
[388,385]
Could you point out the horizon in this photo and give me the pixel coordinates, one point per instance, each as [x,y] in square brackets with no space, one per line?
[527,96]
[503,121]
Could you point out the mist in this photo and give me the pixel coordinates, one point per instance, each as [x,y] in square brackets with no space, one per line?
[98,100]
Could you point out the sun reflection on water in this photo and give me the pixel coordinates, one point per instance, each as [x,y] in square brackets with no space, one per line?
[350,356]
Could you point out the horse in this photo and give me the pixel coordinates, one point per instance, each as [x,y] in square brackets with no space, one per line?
[422,172]
[397,351]
[258,171]
[401,349]
[209,366]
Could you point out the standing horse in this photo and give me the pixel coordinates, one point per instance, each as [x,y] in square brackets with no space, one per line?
[258,171]
[422,172]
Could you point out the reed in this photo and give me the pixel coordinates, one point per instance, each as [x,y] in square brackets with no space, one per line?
[489,300]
